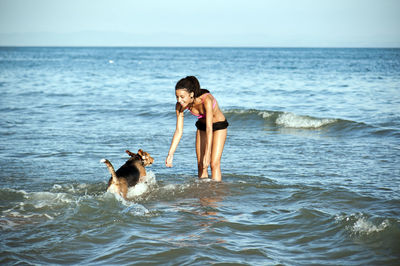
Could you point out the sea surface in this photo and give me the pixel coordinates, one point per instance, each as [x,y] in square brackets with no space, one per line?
[311,166]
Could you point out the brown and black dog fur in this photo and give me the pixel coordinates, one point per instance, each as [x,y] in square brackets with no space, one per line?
[129,174]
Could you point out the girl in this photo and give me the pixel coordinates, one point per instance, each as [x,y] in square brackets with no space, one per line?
[211,126]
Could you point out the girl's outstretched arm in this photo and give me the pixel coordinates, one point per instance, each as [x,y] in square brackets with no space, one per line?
[177,135]
[208,106]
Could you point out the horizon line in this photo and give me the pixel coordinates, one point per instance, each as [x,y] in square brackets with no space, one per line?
[201,46]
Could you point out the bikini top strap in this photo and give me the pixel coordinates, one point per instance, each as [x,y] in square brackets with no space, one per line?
[203,97]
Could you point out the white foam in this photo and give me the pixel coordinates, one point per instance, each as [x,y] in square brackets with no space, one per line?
[49,217]
[13,218]
[83,186]
[111,194]
[136,209]
[17,214]
[16,191]
[170,187]
[265,114]
[142,187]
[358,224]
[204,180]
[57,187]
[46,199]
[238,111]
[363,226]
[7,224]
[298,121]
[137,190]
[131,207]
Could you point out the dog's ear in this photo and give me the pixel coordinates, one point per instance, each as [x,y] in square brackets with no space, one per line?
[142,154]
[130,153]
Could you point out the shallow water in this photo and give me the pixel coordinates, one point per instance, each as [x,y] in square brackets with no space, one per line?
[310,169]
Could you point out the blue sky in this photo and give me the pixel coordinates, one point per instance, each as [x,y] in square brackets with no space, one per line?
[267,23]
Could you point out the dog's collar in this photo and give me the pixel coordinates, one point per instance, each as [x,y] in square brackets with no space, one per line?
[137,157]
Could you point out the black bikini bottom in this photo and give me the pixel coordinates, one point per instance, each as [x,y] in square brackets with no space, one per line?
[216,126]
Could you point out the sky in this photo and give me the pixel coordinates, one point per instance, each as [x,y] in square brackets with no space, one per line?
[231,23]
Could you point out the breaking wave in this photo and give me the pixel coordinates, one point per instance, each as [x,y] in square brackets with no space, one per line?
[278,119]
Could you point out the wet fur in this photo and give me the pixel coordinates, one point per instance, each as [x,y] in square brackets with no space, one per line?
[129,174]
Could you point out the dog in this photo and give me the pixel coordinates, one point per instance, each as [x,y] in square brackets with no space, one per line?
[129,174]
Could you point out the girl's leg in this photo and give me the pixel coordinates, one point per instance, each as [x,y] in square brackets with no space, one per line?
[200,150]
[218,144]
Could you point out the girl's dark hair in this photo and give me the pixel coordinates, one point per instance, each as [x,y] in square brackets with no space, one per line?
[191,84]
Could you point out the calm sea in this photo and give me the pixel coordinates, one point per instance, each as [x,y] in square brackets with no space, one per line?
[311,167]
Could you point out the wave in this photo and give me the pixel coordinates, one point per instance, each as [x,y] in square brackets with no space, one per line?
[296,121]
[77,201]
[288,120]
[23,208]
[282,119]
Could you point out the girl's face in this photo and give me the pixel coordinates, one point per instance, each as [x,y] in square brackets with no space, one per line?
[184,97]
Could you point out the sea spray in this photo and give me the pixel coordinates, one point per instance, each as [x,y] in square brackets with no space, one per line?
[142,187]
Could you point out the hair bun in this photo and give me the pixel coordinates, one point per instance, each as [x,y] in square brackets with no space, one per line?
[191,84]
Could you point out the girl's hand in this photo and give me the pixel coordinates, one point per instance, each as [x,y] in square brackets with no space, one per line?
[168,160]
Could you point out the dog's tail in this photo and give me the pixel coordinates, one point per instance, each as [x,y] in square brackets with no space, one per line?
[111,170]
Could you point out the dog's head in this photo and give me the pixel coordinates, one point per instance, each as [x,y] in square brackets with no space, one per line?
[144,156]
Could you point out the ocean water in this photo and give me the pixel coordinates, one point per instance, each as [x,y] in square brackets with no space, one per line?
[311,166]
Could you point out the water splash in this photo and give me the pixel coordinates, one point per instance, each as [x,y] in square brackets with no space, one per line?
[142,187]
[360,225]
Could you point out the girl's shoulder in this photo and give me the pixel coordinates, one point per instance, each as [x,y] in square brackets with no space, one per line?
[207,97]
